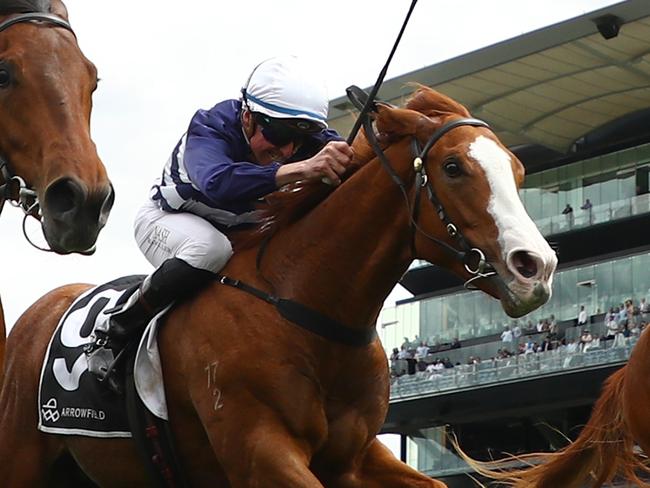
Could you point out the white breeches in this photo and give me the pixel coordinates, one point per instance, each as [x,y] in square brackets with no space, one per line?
[162,235]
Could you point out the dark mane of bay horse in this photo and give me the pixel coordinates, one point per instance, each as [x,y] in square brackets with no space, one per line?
[286,206]
[23,6]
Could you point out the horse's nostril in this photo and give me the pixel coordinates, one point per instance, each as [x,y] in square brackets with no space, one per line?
[525,264]
[63,196]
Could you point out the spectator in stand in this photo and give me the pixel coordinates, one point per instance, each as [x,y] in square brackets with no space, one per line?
[420,365]
[422,351]
[530,347]
[634,331]
[630,311]
[404,353]
[594,344]
[395,354]
[620,339]
[582,316]
[553,328]
[448,364]
[585,340]
[455,344]
[516,331]
[506,338]
[587,206]
[568,213]
[530,328]
[540,325]
[613,328]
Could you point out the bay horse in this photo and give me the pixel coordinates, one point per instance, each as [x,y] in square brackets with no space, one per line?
[46,153]
[48,163]
[605,450]
[256,400]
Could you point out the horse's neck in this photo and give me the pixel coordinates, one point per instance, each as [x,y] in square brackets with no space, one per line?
[345,257]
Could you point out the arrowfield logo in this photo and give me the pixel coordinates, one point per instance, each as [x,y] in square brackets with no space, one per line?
[50,412]
[83,413]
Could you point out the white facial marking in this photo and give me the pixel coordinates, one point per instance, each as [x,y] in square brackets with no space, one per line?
[516,228]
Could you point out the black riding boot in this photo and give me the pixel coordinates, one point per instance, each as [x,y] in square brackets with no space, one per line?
[174,280]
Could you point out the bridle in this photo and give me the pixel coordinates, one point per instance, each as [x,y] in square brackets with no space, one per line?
[14,189]
[473,258]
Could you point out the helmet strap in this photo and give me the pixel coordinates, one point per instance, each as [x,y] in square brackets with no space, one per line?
[243,125]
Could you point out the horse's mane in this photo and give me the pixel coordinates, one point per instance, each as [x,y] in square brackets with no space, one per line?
[293,202]
[23,6]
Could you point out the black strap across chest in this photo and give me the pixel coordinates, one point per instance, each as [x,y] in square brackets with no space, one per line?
[307,318]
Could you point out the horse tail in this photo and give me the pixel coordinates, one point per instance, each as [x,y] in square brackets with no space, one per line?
[604,449]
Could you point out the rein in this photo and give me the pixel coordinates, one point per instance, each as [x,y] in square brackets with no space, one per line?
[14,189]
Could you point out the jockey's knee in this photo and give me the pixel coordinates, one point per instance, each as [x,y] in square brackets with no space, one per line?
[210,256]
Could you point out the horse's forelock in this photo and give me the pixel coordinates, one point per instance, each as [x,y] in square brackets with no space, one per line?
[23,6]
[430,102]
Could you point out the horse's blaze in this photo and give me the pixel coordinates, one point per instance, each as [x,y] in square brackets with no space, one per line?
[527,261]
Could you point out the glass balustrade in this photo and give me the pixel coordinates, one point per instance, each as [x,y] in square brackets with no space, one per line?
[466,315]
[515,368]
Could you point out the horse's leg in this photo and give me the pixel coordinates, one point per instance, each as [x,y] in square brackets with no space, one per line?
[379,468]
[256,449]
[26,454]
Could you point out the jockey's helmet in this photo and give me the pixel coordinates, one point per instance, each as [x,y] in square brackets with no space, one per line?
[284,88]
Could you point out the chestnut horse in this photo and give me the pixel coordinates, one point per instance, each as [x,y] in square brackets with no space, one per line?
[257,400]
[48,164]
[606,447]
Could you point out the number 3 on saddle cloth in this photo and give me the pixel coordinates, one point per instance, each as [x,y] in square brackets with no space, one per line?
[71,400]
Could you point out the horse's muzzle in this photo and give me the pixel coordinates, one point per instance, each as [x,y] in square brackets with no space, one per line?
[72,216]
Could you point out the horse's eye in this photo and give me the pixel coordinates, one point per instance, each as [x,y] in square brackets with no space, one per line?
[452,168]
[5,78]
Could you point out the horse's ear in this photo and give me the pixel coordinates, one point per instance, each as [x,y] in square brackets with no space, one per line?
[393,123]
[57,7]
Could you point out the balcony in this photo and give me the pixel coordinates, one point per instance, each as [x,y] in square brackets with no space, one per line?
[521,367]
[599,214]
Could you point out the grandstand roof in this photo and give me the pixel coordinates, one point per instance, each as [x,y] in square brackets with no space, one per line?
[552,92]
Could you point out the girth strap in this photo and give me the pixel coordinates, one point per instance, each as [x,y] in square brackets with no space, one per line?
[307,318]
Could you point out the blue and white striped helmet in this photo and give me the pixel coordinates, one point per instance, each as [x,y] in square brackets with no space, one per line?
[284,88]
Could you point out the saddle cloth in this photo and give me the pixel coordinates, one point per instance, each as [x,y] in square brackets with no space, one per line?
[71,400]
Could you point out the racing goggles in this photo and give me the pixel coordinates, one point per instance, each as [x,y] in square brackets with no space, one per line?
[281,132]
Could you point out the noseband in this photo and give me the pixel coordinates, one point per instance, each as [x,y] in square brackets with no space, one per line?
[14,189]
[473,259]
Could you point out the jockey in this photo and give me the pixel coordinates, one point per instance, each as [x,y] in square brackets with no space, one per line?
[231,155]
